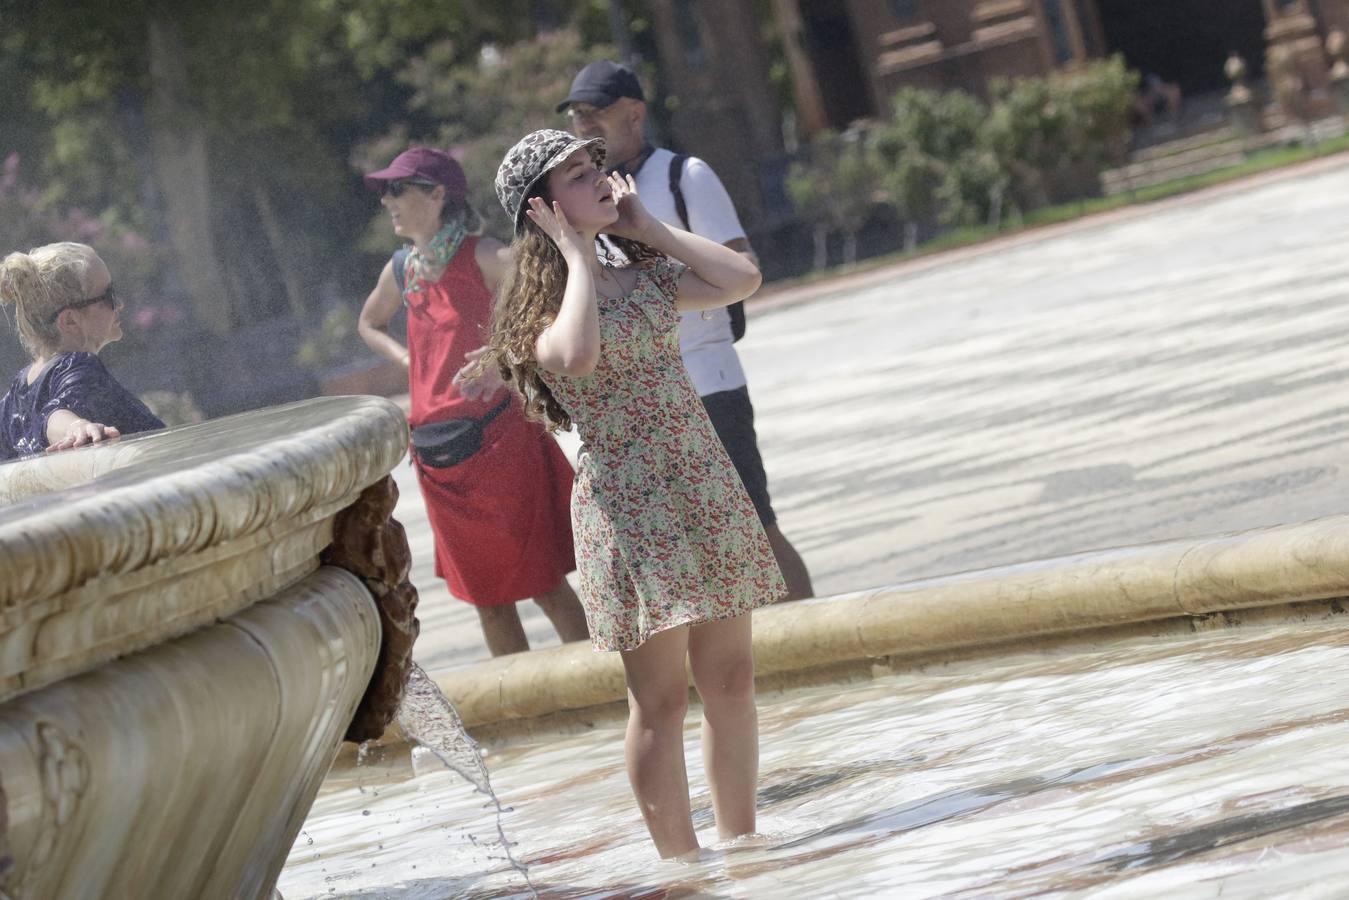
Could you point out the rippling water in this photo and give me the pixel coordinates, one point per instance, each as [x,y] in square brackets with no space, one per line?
[1204,766]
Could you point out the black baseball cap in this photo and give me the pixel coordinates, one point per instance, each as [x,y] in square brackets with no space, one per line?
[601,83]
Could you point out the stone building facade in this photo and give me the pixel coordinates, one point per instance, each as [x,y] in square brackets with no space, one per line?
[846,57]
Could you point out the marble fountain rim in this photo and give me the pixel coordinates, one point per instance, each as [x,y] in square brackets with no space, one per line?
[1267,574]
[234,523]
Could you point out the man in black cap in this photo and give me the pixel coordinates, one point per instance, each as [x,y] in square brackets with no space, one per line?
[606,100]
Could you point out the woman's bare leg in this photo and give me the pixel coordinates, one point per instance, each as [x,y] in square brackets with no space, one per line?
[563,609]
[722,659]
[793,567]
[658,697]
[502,629]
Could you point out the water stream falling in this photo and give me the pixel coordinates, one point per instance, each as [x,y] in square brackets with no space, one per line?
[430,721]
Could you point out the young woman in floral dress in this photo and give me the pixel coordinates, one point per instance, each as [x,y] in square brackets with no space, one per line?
[670,552]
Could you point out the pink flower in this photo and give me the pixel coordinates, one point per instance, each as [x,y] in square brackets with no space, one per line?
[134,243]
[10,176]
[148,317]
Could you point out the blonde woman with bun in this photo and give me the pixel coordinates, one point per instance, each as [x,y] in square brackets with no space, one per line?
[61,301]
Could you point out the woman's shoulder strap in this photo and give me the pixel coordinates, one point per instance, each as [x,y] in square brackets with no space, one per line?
[400,265]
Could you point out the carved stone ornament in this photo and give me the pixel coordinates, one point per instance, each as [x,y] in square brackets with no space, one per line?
[369,543]
[65,774]
[1235,70]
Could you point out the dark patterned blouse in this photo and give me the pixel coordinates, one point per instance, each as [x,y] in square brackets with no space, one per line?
[78,382]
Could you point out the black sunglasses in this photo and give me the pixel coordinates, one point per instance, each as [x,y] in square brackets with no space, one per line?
[109,297]
[395,189]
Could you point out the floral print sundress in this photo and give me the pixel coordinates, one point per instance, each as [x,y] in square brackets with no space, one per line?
[665,533]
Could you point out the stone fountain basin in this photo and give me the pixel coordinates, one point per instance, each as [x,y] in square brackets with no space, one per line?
[177,668]
[1289,573]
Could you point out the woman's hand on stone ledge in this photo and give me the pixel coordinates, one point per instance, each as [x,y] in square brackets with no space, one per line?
[76,431]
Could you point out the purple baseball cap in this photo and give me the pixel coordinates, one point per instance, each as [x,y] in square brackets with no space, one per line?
[423,164]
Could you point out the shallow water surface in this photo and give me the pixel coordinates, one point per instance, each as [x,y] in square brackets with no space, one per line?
[1200,766]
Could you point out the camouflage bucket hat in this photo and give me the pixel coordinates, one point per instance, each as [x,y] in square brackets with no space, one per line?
[530,160]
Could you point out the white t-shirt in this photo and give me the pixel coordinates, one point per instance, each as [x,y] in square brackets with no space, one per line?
[705,339]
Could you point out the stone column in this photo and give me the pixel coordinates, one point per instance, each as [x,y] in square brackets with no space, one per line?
[1296,60]
[810,112]
[714,68]
[1092,30]
[1339,70]
[1334,15]
[1075,37]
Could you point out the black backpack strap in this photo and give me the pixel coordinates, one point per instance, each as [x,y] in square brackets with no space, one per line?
[676,173]
[737,309]
[400,263]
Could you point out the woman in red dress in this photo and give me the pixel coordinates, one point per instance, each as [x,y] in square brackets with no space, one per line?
[500,513]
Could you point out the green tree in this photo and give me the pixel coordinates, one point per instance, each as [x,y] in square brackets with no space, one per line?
[154,118]
[225,132]
[1026,131]
[808,187]
[479,106]
[1075,120]
[934,166]
[836,189]
[1097,101]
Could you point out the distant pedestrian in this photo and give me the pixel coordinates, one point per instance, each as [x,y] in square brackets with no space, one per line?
[497,488]
[1155,96]
[606,100]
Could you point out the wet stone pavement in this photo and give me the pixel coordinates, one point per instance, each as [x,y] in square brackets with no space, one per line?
[1174,374]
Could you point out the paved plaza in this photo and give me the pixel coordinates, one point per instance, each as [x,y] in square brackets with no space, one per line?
[1164,373]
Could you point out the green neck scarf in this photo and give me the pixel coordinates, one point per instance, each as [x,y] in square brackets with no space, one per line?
[424,267]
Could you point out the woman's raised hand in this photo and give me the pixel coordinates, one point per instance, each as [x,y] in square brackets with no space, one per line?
[633,218]
[574,246]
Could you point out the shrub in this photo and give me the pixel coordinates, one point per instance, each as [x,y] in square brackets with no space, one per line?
[1096,102]
[1026,133]
[331,342]
[484,105]
[933,164]
[836,187]
[1074,119]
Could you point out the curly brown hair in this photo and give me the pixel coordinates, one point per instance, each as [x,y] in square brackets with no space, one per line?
[527,303]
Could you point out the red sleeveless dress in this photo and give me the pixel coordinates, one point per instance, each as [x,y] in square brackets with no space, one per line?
[502,518]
